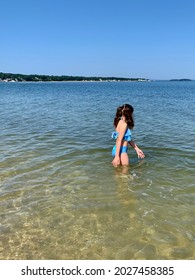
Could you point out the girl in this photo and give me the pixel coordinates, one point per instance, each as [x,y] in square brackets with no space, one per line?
[123,122]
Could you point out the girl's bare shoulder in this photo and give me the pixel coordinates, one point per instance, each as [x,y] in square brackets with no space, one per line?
[121,125]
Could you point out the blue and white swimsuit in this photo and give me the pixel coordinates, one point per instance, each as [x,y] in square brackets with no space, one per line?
[127,137]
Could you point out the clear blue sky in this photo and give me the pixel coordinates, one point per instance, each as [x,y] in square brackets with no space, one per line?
[153,39]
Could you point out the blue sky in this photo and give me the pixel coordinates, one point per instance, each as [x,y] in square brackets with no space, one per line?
[150,39]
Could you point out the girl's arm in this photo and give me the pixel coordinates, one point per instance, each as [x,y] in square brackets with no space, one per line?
[139,152]
[122,128]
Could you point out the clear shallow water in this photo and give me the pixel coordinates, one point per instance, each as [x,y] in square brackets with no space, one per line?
[60,197]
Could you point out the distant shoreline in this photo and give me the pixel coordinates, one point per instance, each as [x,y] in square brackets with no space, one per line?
[180,80]
[10,77]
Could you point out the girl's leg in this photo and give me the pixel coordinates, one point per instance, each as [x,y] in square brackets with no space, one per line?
[124,159]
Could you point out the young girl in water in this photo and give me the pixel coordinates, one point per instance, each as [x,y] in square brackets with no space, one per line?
[123,123]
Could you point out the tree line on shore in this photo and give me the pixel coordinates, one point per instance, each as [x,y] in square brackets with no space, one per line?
[50,78]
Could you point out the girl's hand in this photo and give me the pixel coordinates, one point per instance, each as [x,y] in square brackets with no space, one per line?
[139,152]
[116,161]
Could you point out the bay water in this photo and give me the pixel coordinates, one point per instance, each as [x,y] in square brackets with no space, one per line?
[60,196]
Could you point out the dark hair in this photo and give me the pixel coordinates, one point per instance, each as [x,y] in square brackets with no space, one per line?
[125,110]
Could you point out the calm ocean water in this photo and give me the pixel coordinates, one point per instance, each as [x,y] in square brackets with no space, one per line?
[60,197]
